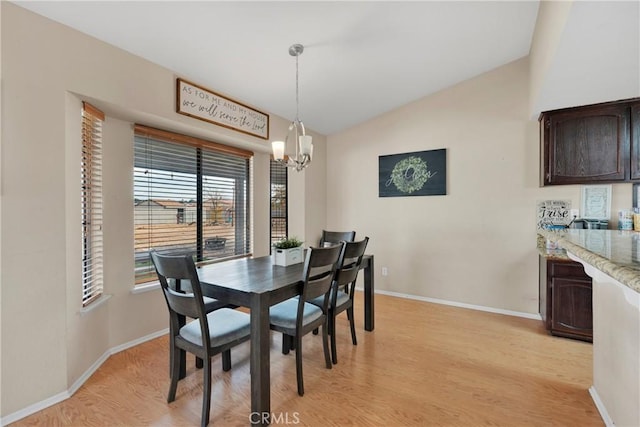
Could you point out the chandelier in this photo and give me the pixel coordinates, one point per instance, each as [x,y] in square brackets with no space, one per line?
[304,146]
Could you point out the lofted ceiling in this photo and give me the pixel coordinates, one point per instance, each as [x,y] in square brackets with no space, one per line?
[361,59]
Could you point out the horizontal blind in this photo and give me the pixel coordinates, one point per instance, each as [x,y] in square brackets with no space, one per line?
[279,220]
[190,197]
[91,200]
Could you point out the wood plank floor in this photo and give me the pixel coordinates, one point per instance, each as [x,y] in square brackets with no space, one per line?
[424,365]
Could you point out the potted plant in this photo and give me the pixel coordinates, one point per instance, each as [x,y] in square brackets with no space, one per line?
[287,251]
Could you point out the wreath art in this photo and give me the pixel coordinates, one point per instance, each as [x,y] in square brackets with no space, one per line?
[410,174]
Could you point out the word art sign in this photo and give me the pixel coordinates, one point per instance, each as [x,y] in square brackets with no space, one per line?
[553,213]
[422,173]
[200,103]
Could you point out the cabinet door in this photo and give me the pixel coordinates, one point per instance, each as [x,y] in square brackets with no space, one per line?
[586,145]
[635,141]
[544,280]
[572,307]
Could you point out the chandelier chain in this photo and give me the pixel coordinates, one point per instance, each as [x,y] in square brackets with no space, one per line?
[297,102]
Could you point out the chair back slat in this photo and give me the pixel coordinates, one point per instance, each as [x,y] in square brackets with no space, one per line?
[336,237]
[350,262]
[180,268]
[181,303]
[319,270]
[346,275]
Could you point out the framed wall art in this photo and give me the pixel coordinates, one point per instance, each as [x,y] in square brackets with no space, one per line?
[421,173]
[596,202]
[203,104]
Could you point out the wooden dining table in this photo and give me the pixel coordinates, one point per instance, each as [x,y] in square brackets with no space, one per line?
[257,284]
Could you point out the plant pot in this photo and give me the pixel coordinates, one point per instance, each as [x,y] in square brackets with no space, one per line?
[285,257]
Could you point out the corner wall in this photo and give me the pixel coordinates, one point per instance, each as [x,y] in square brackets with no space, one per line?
[46,70]
[585,52]
[550,23]
[476,245]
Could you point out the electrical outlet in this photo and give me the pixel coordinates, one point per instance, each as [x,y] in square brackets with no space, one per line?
[575,213]
[385,272]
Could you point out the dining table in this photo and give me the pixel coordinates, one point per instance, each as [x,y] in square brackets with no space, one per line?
[256,283]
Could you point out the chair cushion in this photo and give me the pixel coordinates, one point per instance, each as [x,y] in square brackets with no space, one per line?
[284,314]
[342,298]
[225,325]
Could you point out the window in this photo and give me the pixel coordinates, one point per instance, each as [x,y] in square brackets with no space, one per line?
[279,222]
[91,200]
[191,196]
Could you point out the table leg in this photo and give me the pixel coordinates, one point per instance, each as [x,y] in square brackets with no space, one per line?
[369,289]
[260,362]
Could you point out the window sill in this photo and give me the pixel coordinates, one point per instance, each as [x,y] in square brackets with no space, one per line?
[95,304]
[145,287]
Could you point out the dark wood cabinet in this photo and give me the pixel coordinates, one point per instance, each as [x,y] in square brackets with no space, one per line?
[566,299]
[591,144]
[635,141]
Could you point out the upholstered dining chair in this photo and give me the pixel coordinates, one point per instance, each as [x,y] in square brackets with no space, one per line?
[295,317]
[343,290]
[334,237]
[206,336]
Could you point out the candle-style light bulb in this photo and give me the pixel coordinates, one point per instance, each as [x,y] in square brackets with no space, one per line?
[278,150]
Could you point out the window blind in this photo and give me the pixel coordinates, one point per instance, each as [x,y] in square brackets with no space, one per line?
[91,201]
[191,196]
[279,219]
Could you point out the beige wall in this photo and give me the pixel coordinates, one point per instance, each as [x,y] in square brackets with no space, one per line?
[47,70]
[476,245]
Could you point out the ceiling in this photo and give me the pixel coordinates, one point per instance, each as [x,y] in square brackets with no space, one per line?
[361,59]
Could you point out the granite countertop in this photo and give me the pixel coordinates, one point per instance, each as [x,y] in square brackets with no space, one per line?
[558,253]
[614,252]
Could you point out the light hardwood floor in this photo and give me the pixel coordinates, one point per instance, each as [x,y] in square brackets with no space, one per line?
[424,365]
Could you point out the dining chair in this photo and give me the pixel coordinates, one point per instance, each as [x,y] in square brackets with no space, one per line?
[334,237]
[295,317]
[343,290]
[206,336]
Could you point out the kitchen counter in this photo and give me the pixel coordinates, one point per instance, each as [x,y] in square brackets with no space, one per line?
[614,252]
[612,259]
[558,254]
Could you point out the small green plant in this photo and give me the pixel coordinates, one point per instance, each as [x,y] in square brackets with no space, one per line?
[287,243]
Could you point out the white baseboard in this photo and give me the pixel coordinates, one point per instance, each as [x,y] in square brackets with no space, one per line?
[535,316]
[601,408]
[32,409]
[38,406]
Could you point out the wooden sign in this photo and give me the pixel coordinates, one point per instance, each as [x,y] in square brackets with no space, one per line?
[554,213]
[200,103]
[422,173]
